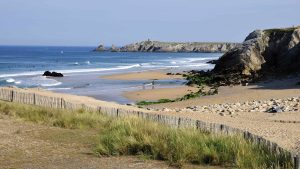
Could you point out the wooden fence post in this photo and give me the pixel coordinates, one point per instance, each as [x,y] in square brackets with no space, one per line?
[297,162]
[12,96]
[179,122]
[61,103]
[34,102]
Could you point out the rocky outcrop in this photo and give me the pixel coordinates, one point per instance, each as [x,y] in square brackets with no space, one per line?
[100,48]
[156,46]
[53,74]
[114,48]
[264,52]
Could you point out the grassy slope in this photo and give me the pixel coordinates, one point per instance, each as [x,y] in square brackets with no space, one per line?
[133,136]
[268,32]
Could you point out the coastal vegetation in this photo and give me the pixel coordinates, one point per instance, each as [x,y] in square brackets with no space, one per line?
[280,30]
[134,136]
[207,84]
[199,78]
[199,93]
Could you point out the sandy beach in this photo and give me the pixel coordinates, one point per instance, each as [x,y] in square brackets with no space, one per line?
[153,94]
[156,94]
[271,89]
[144,75]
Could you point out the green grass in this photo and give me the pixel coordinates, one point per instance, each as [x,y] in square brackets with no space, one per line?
[199,79]
[134,136]
[191,43]
[55,117]
[178,146]
[280,30]
[144,103]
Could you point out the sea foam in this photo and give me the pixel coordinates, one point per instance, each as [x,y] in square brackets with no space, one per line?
[10,80]
[33,73]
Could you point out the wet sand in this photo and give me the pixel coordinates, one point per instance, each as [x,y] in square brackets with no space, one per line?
[156,94]
[153,94]
[145,75]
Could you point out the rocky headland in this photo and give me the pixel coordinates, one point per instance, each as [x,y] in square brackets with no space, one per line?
[157,46]
[263,53]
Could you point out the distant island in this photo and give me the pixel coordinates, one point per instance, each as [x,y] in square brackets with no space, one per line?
[157,46]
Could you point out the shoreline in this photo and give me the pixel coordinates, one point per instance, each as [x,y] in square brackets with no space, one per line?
[144,75]
[154,92]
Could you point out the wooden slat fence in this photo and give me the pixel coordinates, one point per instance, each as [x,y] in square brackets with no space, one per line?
[12,95]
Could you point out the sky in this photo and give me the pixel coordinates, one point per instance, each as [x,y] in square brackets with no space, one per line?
[119,22]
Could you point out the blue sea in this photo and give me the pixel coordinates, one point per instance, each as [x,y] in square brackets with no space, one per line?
[23,66]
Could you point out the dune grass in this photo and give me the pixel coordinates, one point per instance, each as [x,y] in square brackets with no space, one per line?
[134,136]
[179,146]
[79,119]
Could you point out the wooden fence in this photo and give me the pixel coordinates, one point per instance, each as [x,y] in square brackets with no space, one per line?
[12,95]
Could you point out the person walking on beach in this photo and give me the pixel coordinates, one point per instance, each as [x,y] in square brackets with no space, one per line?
[152,84]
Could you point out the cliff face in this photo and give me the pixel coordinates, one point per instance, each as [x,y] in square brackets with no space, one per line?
[156,46]
[269,51]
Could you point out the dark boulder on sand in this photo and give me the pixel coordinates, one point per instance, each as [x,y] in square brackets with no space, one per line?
[53,74]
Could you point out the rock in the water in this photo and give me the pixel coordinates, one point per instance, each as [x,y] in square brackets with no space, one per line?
[100,48]
[114,48]
[52,74]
